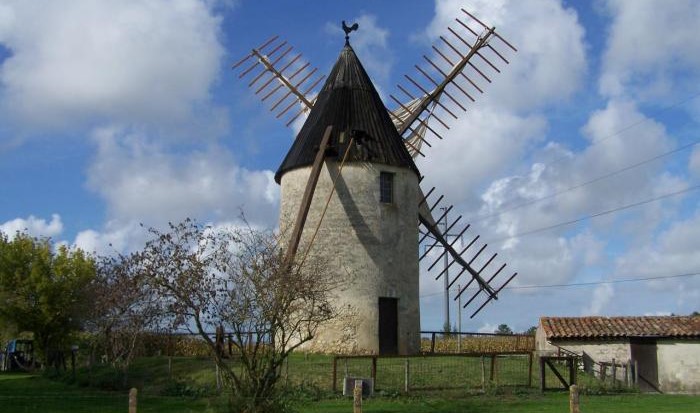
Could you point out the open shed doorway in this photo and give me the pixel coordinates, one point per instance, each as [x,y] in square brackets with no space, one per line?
[388,325]
[643,351]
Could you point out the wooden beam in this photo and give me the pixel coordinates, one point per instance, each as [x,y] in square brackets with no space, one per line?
[308,197]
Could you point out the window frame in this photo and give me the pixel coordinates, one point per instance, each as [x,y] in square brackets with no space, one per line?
[386,187]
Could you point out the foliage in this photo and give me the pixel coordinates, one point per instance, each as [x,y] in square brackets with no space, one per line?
[238,280]
[531,331]
[123,307]
[503,329]
[43,290]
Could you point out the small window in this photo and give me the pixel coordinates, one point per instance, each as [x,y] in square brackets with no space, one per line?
[386,187]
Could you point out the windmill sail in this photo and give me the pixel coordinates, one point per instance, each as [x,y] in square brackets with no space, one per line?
[451,82]
[292,80]
[468,260]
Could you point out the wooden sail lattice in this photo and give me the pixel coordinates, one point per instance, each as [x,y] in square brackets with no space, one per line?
[463,258]
[283,76]
[451,79]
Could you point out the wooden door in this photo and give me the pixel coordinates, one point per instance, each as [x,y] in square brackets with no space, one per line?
[388,325]
[643,351]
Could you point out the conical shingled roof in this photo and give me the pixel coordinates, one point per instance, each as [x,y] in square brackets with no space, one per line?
[349,102]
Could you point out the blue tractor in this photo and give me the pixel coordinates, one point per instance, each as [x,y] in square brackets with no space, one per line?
[18,355]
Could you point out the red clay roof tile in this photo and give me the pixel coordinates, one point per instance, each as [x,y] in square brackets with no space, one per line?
[600,327]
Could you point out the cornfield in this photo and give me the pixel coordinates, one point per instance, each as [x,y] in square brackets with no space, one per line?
[477,343]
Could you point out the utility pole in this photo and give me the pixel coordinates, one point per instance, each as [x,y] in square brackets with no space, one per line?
[459,320]
[446,278]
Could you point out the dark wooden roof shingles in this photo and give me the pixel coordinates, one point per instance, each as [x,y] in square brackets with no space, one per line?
[348,101]
[621,327]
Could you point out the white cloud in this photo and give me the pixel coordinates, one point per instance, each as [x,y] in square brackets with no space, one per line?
[652,50]
[140,180]
[551,58]
[459,164]
[36,227]
[86,61]
[600,298]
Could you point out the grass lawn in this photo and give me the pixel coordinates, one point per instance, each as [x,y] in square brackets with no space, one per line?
[154,379]
[548,403]
[24,393]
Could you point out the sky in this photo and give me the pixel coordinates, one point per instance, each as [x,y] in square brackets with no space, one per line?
[579,164]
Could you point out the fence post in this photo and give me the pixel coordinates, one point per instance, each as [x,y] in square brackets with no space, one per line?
[406,376]
[218,378]
[133,393]
[374,372]
[483,374]
[357,397]
[529,370]
[493,375]
[542,375]
[573,399]
[432,343]
[334,386]
[636,373]
[614,373]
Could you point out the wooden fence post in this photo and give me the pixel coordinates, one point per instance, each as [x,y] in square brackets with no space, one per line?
[374,372]
[542,375]
[613,369]
[432,343]
[357,397]
[493,376]
[406,376]
[133,393]
[483,374]
[573,399]
[529,370]
[334,386]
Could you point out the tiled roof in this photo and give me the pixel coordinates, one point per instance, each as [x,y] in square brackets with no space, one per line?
[608,327]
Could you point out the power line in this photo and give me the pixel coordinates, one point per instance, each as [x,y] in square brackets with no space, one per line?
[582,184]
[613,173]
[634,124]
[582,284]
[599,214]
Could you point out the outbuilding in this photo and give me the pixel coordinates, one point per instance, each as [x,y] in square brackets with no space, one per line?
[665,349]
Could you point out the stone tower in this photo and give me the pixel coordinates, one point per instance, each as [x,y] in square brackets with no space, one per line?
[369,233]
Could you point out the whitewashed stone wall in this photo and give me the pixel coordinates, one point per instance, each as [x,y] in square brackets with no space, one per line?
[679,366]
[371,245]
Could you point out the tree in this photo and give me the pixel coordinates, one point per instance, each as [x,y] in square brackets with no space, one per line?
[43,291]
[531,331]
[239,279]
[503,329]
[124,306]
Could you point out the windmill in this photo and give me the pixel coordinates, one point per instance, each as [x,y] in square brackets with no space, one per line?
[350,189]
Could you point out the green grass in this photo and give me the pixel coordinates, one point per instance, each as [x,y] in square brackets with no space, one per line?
[548,403]
[460,375]
[24,393]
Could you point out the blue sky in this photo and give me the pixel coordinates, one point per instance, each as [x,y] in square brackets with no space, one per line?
[116,113]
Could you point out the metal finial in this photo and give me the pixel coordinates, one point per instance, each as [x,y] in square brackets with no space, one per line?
[347,29]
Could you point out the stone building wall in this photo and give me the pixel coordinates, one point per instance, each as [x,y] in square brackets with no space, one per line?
[371,245]
[679,365]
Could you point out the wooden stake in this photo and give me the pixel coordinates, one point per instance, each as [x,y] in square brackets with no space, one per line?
[406,376]
[573,399]
[357,397]
[133,393]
